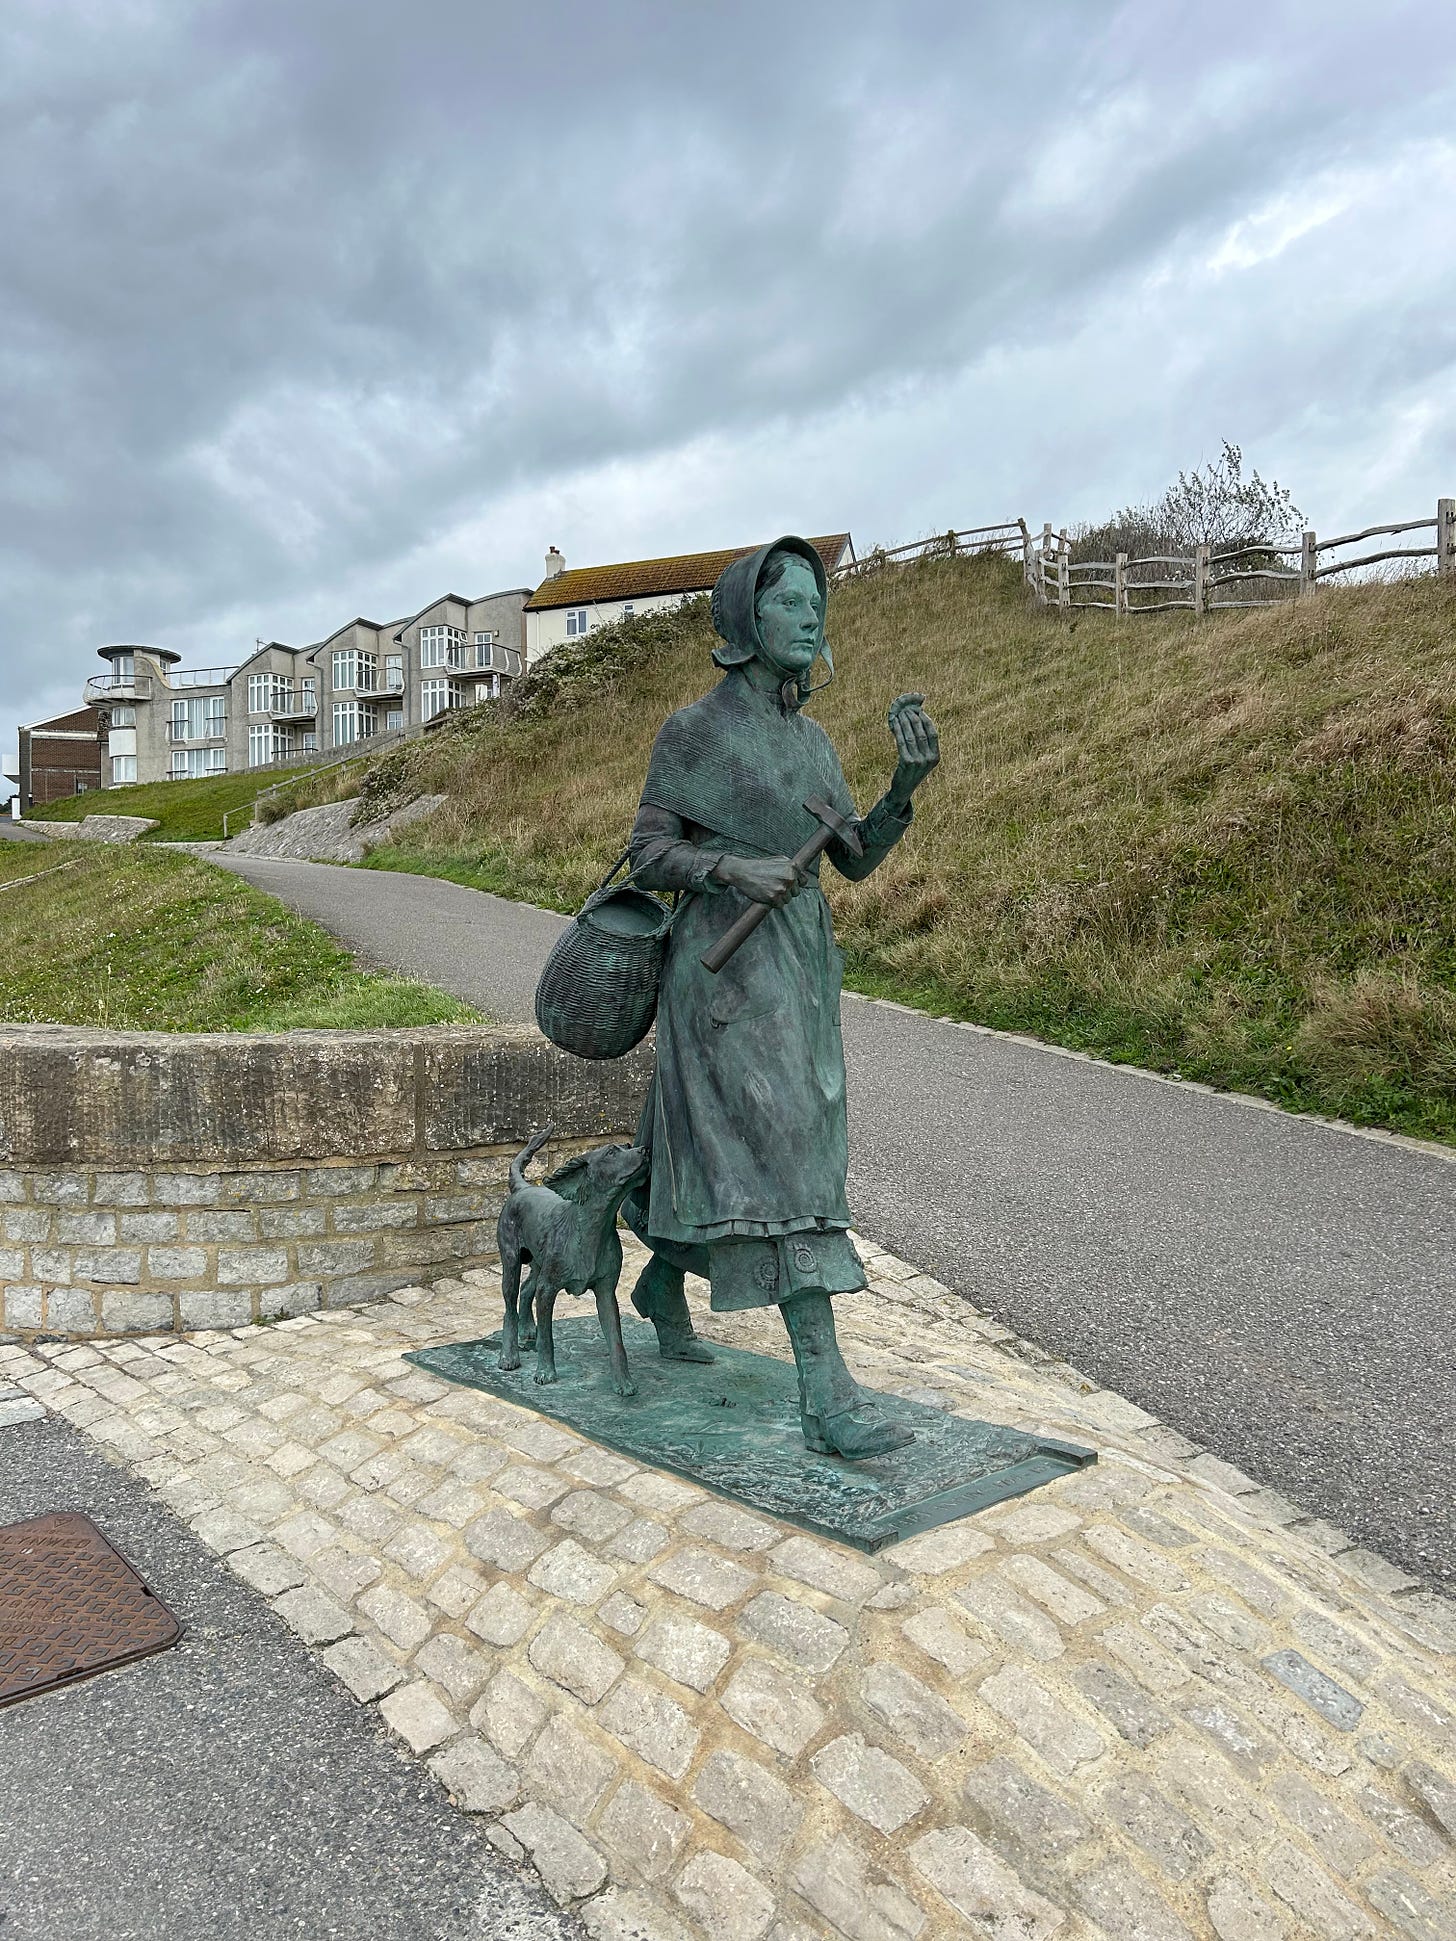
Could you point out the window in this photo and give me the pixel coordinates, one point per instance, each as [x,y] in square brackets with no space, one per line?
[434,698]
[393,673]
[123,769]
[124,717]
[260,747]
[188,763]
[575,622]
[442,646]
[393,719]
[352,668]
[627,611]
[488,689]
[354,721]
[269,693]
[200,718]
[123,666]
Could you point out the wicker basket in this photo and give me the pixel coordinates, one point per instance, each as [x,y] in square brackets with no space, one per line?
[597,994]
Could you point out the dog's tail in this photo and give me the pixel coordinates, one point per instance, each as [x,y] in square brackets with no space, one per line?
[524,1157]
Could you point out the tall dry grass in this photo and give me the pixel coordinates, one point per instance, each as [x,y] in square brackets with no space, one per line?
[1221,847]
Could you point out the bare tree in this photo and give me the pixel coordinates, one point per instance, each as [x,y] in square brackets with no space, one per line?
[1215,505]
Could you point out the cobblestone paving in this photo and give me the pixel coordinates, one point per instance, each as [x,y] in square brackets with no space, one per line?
[1149,1700]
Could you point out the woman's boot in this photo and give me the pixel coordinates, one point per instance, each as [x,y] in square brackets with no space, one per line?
[838,1418]
[659,1298]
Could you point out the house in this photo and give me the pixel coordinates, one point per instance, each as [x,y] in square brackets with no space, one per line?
[58,757]
[151,720]
[570,601]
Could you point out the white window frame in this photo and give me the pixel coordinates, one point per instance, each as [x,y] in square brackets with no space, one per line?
[434,698]
[577,622]
[123,770]
[123,716]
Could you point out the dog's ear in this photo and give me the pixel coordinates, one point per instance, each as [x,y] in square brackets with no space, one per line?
[567,1180]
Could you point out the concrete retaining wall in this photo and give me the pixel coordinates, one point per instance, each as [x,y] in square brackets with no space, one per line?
[98,828]
[150,1181]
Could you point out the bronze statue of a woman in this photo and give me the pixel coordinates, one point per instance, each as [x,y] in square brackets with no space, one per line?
[746,1119]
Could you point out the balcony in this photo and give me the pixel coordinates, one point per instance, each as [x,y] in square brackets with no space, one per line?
[200,676]
[211,731]
[298,707]
[104,689]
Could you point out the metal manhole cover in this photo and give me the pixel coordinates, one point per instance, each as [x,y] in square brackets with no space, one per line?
[70,1606]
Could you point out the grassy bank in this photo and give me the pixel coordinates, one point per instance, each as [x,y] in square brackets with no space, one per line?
[184,811]
[154,941]
[1222,848]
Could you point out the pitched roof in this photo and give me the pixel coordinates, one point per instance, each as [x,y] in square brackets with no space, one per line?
[582,586]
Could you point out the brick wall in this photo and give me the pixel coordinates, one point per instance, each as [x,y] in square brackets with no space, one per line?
[150,1182]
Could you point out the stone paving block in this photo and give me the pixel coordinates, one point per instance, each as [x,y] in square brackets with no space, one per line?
[1126,1908]
[509,1713]
[795,1630]
[1068,1603]
[532,1488]
[981,1887]
[1153,1667]
[591,1516]
[1409,1907]
[773,1707]
[1004,1803]
[939,1636]
[997,1608]
[711,1581]
[724,1898]
[1306,1889]
[1237,1913]
[568,1770]
[690,1652]
[502,1616]
[835,1572]
[1433,1792]
[749,1801]
[1341,1708]
[939,1551]
[915,1713]
[641,1541]
[624,1614]
[875,1787]
[652,1725]
[509,1542]
[1065,1741]
[575,1658]
[730,1527]
[398,1616]
[460,1672]
[418,1715]
[317,1619]
[1135,1717]
[366,1671]
[641,1832]
[855,1897]
[1135,1559]
[1155,1824]
[1409,1834]
[570,1866]
[569,1571]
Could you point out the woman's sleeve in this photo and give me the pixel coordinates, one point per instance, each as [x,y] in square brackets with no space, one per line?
[879,831]
[662,857]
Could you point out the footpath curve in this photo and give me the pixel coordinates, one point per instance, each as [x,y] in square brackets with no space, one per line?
[1278,1288]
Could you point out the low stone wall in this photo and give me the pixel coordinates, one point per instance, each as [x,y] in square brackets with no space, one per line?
[151,1182]
[99,828]
[329,834]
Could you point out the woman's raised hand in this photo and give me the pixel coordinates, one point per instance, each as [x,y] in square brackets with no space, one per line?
[916,744]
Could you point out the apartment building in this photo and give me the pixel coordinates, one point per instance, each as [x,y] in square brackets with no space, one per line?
[570,601]
[159,721]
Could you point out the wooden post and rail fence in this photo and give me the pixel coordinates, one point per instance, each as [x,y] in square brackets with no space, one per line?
[1212,579]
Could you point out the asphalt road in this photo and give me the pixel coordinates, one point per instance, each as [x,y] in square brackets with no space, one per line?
[1280,1290]
[228,1789]
[17,832]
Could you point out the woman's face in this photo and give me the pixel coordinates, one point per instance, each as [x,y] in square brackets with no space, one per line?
[791,618]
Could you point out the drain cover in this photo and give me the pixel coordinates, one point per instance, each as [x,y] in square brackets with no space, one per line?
[70,1606]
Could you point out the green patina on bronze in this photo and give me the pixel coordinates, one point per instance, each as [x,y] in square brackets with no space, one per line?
[733,1427]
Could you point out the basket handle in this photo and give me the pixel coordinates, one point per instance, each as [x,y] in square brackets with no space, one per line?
[679,902]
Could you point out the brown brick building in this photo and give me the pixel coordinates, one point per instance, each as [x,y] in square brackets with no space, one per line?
[59,757]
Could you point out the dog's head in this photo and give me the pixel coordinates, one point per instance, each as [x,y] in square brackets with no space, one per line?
[598,1177]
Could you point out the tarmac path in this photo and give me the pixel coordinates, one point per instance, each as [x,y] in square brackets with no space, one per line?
[228,1789]
[1277,1288]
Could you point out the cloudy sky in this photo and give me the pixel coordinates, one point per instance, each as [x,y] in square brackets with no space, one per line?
[316,307]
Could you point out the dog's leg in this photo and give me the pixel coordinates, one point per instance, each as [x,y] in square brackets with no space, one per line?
[510,1352]
[545,1346]
[610,1317]
[527,1307]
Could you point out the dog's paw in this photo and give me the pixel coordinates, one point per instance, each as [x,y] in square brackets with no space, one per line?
[545,1377]
[508,1362]
[628,1387]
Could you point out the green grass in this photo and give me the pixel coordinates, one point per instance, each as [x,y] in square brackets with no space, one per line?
[1222,848]
[185,811]
[133,939]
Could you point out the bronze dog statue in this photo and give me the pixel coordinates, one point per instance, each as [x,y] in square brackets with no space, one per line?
[566,1231]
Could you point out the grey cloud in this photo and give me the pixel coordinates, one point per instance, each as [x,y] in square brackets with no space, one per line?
[292,291]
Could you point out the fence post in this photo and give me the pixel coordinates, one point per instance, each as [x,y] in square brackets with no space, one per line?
[1446,537]
[1041,562]
[1064,573]
[1028,573]
[1200,578]
[1119,586]
[1308,560]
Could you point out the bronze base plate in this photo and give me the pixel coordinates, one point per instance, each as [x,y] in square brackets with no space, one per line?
[70,1606]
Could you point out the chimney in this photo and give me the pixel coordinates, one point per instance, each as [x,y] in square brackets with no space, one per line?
[555,564]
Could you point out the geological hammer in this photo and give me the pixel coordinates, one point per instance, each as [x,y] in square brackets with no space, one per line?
[831,824]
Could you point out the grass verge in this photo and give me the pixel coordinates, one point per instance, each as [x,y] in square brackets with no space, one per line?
[129,939]
[184,811]
[1223,849]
